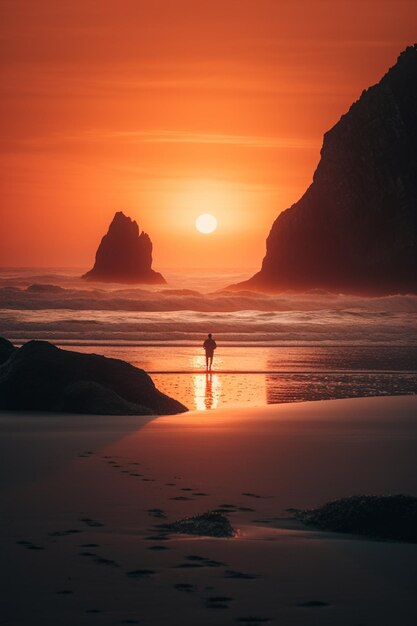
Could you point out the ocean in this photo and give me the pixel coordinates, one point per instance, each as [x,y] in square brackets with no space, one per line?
[271,348]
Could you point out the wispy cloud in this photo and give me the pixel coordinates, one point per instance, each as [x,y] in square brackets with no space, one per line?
[183,136]
[174,137]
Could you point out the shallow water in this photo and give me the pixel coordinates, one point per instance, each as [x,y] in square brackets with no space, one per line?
[256,375]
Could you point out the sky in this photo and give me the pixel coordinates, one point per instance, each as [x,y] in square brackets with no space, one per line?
[166,109]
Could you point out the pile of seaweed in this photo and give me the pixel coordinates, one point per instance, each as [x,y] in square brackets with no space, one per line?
[209,524]
[380,517]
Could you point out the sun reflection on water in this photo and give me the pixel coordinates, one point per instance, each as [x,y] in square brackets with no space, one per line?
[207,390]
[206,386]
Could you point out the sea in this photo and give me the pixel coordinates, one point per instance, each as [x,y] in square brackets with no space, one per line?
[284,347]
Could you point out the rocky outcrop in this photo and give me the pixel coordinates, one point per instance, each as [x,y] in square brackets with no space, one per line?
[381,517]
[124,255]
[42,377]
[355,228]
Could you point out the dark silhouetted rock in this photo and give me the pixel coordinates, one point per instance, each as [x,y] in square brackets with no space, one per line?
[92,398]
[42,377]
[124,255]
[6,349]
[355,228]
[381,517]
[45,288]
[210,524]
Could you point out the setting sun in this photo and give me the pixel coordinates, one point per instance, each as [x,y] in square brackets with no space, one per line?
[206,223]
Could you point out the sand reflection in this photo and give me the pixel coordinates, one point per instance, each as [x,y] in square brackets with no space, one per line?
[207,391]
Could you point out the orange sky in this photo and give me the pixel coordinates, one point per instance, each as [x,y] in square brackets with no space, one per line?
[167,109]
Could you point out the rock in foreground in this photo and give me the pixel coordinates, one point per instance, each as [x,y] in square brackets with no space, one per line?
[6,349]
[124,255]
[42,377]
[355,228]
[380,517]
[208,524]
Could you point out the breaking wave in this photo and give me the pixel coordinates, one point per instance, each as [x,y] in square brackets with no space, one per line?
[65,309]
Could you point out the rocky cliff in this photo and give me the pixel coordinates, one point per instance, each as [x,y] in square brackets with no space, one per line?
[124,255]
[355,228]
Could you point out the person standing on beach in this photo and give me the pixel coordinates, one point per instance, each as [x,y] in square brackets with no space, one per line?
[209,346]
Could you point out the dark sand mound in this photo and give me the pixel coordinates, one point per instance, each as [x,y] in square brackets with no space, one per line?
[381,517]
[208,524]
[42,377]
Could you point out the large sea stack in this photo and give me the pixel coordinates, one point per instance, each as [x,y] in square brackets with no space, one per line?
[355,228]
[124,255]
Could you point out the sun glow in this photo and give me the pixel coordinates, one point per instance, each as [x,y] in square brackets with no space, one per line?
[206,223]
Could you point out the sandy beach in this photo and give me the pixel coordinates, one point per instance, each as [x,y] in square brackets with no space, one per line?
[82,497]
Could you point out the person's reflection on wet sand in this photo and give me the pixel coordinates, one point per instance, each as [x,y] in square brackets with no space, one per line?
[208,394]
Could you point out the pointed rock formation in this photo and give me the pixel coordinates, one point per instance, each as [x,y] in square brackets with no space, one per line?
[355,228]
[124,255]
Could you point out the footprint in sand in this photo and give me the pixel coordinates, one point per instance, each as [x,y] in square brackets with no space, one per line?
[218,602]
[313,604]
[99,559]
[64,533]
[90,522]
[161,537]
[90,545]
[102,561]
[251,495]
[181,498]
[140,573]
[29,545]
[253,620]
[229,573]
[158,548]
[194,561]
[187,587]
[205,561]
[157,513]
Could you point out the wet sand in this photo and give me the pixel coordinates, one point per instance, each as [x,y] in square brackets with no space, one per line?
[82,498]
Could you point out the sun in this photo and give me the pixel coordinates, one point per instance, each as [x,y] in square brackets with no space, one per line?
[206,223]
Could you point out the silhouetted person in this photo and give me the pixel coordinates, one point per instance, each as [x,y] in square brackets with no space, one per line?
[209,346]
